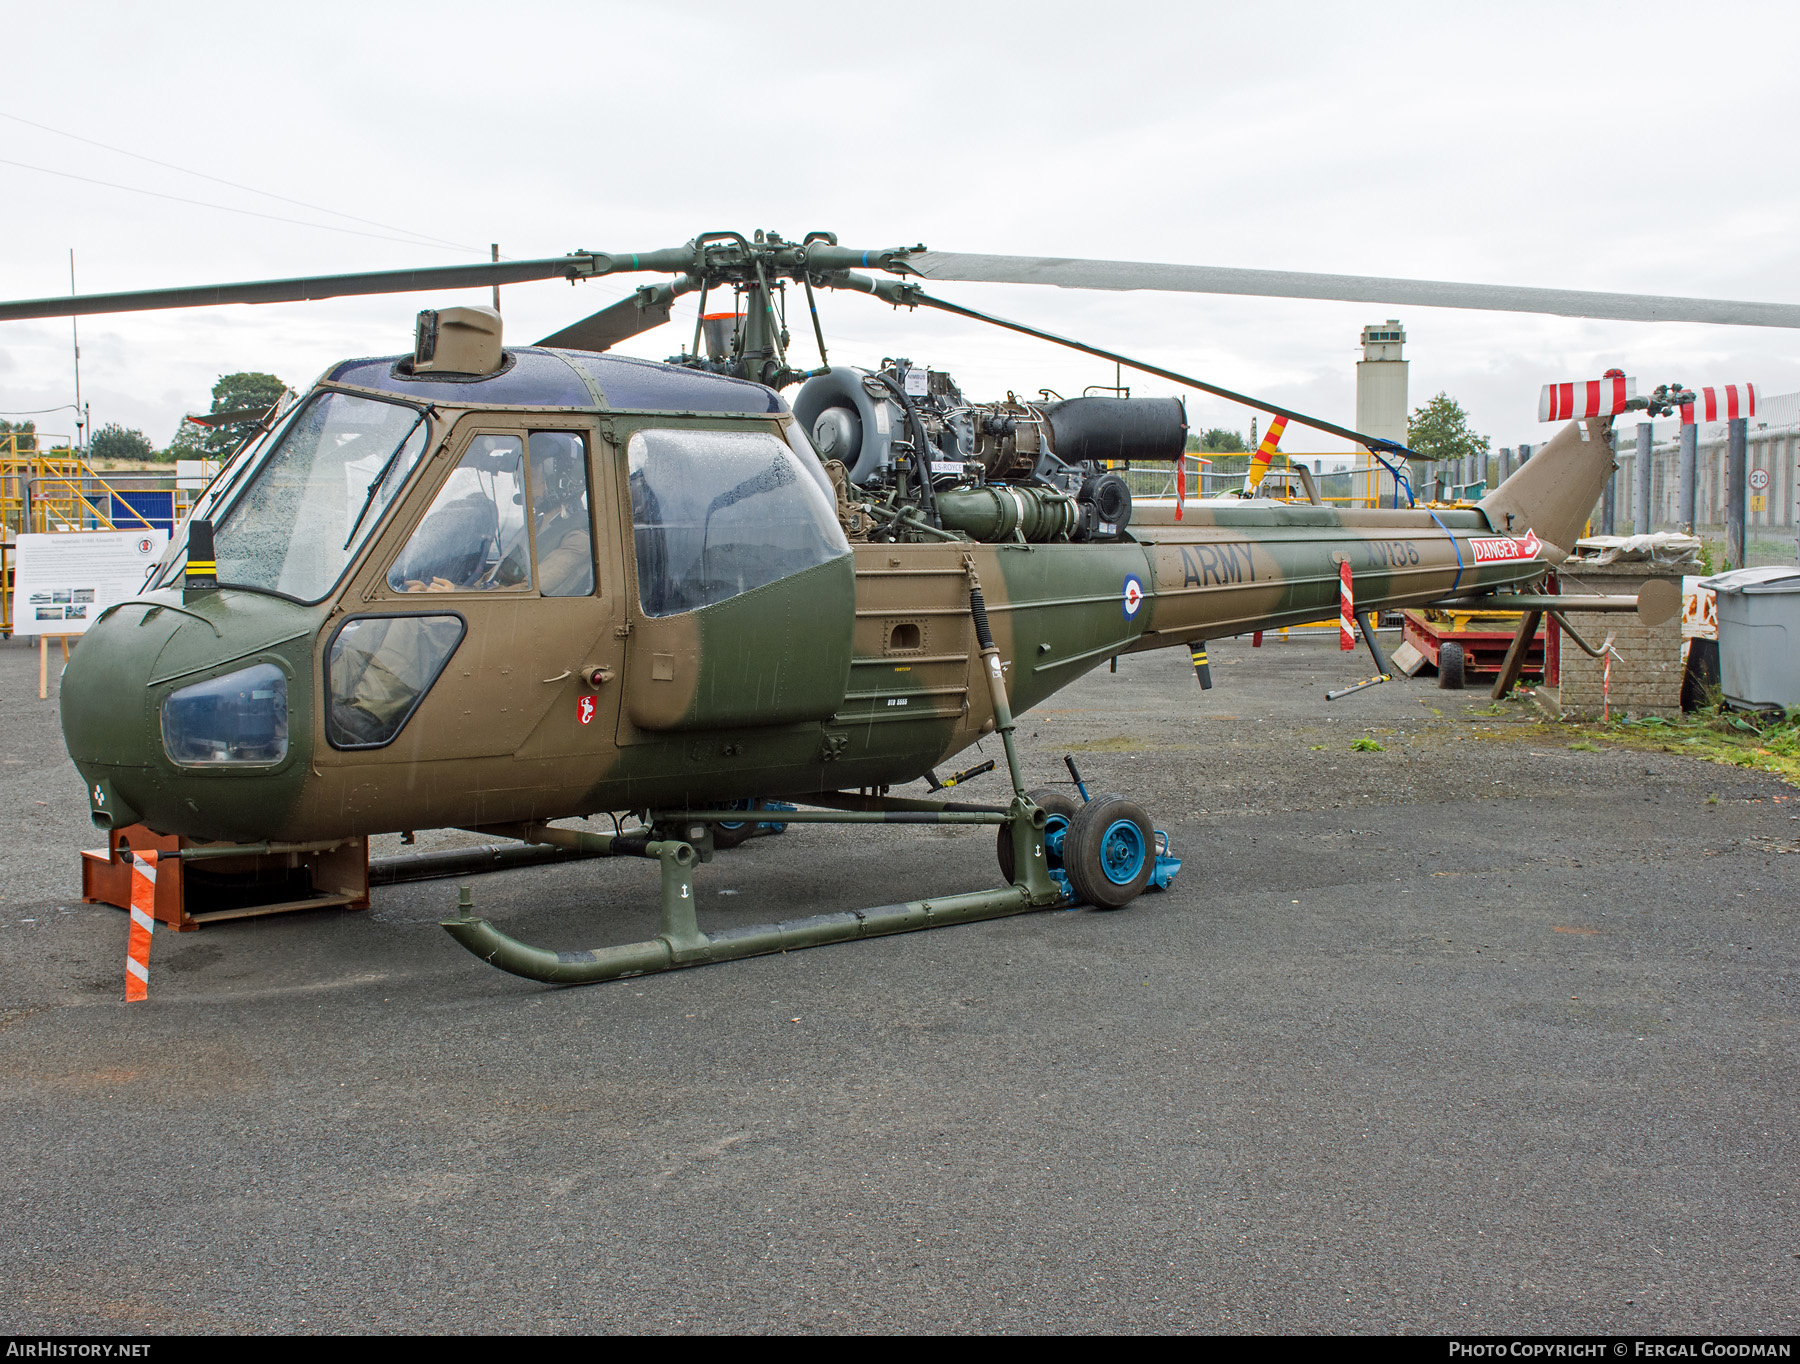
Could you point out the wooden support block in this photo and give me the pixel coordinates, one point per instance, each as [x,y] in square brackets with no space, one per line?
[1515,656]
[339,879]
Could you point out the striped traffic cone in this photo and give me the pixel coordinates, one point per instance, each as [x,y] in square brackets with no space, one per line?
[143,924]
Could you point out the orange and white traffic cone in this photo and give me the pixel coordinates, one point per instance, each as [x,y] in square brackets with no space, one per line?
[1346,609]
[143,924]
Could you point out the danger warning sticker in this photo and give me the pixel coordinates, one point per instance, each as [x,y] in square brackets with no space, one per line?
[1504,549]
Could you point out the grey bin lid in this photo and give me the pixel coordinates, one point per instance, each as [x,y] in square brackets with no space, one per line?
[1775,578]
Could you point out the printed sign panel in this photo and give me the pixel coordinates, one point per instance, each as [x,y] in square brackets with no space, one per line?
[1504,549]
[63,581]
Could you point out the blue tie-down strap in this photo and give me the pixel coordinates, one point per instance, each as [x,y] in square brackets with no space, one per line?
[1168,866]
[759,805]
[1055,830]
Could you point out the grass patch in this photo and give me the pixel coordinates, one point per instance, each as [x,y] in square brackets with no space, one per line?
[1759,742]
[1118,743]
[1585,747]
[1366,745]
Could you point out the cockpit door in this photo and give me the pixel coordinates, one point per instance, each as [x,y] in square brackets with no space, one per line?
[742,594]
[491,627]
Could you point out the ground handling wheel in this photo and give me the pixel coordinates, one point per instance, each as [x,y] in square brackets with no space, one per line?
[1109,852]
[1060,809]
[1452,667]
[739,832]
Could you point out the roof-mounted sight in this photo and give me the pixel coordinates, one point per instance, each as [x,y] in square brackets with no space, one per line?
[457,341]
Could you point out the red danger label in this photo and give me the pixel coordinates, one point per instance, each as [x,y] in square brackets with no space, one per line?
[584,709]
[1505,549]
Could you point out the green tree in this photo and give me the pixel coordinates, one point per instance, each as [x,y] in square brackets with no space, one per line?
[249,393]
[25,431]
[113,441]
[1217,440]
[1440,430]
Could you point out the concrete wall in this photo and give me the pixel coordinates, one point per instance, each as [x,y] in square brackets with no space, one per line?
[1646,677]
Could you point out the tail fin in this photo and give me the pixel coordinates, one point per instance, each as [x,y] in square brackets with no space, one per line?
[1553,492]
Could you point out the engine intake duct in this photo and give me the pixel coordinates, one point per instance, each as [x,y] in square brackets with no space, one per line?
[1083,429]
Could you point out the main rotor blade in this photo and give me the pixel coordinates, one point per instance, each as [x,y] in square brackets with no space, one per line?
[1185,380]
[1070,273]
[648,307]
[307,287]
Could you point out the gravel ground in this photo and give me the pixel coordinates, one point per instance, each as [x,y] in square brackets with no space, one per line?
[1474,1033]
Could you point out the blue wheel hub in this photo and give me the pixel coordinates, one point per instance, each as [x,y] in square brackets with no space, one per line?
[1122,852]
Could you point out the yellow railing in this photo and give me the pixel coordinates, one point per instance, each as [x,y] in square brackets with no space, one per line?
[43,490]
[1280,484]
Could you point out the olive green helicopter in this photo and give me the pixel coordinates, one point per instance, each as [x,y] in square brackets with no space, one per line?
[489,587]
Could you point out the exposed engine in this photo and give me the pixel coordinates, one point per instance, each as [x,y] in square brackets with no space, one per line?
[919,459]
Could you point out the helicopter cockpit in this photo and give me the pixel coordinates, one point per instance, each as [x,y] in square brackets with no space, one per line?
[437,573]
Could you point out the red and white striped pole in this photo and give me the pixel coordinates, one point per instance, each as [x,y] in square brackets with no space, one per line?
[1346,609]
[143,924]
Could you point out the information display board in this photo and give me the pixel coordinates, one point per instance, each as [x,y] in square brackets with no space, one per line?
[63,581]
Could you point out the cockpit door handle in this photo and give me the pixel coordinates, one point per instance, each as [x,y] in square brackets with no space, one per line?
[560,676]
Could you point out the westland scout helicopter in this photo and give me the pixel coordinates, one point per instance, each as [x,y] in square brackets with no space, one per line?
[488,587]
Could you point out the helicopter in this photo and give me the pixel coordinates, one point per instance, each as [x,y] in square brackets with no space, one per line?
[493,587]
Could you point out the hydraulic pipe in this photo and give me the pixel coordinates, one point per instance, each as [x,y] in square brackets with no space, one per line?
[1535,601]
[846,816]
[431,866]
[213,850]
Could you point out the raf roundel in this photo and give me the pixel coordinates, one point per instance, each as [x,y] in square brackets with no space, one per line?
[1133,596]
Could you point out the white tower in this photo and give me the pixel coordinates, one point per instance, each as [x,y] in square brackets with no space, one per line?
[1381,399]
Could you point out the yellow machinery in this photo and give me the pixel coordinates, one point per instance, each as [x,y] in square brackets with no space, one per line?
[46,491]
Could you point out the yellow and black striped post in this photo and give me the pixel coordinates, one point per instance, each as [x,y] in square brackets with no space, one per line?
[1201,668]
[202,573]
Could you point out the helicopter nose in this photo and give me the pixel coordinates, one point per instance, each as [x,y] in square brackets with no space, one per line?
[192,718]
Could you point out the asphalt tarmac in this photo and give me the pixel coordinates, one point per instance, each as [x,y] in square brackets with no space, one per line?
[1478,1032]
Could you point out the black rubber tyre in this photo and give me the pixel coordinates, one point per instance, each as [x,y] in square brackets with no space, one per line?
[1056,805]
[1452,667]
[1109,852]
[732,835]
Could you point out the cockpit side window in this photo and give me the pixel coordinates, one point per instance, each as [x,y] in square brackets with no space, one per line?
[473,539]
[718,513]
[562,524]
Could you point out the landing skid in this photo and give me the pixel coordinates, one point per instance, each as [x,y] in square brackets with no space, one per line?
[681,943]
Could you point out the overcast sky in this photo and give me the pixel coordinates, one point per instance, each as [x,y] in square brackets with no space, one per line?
[1644,147]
